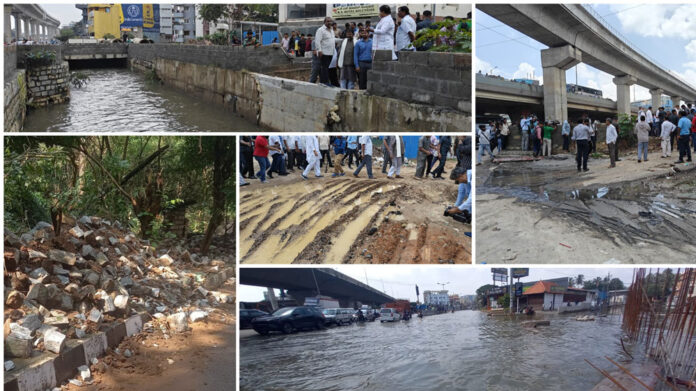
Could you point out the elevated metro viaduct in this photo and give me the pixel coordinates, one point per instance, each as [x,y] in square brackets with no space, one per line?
[573,35]
[311,282]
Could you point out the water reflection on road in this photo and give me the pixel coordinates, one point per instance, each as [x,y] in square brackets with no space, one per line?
[117,99]
[461,351]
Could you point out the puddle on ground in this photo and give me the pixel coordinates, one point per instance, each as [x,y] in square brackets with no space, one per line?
[653,210]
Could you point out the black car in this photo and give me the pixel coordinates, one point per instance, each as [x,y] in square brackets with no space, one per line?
[246,316]
[289,319]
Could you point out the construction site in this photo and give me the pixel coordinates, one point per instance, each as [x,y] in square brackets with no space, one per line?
[352,220]
[633,213]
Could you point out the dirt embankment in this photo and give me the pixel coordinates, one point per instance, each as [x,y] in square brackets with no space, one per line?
[546,212]
[351,220]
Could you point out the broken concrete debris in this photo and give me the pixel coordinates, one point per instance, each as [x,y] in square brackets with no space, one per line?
[72,285]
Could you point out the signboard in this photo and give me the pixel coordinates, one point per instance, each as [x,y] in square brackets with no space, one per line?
[132,15]
[518,289]
[499,277]
[499,270]
[151,18]
[557,289]
[311,301]
[346,11]
[519,272]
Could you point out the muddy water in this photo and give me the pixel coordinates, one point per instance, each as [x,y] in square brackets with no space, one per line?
[461,351]
[651,211]
[118,99]
[281,222]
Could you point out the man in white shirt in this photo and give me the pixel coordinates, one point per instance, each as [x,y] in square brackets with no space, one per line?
[611,142]
[366,148]
[667,129]
[395,149]
[524,125]
[649,119]
[312,150]
[406,32]
[326,44]
[384,32]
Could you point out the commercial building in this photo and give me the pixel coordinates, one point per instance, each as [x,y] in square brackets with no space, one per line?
[438,298]
[104,20]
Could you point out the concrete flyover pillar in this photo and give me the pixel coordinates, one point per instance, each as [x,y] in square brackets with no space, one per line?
[555,62]
[623,93]
[656,98]
[676,100]
[8,23]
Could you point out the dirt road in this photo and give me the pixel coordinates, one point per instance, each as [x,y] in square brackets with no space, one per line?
[351,220]
[202,358]
[545,212]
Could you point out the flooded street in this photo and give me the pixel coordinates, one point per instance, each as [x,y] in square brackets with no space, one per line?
[117,99]
[635,208]
[465,350]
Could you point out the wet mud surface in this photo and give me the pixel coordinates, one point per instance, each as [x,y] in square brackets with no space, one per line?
[630,214]
[351,220]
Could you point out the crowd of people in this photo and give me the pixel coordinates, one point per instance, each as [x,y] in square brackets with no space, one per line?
[283,155]
[677,124]
[341,58]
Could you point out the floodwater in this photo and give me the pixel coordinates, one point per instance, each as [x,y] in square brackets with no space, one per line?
[657,210]
[465,350]
[118,99]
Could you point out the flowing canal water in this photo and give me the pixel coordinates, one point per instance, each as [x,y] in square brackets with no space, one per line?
[118,99]
[465,350]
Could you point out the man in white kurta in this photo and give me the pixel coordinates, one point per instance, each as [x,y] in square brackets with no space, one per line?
[384,32]
[395,148]
[406,32]
[313,154]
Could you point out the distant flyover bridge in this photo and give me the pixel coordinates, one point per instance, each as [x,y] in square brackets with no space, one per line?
[573,35]
[311,282]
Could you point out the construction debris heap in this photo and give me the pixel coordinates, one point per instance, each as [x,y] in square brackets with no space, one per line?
[95,272]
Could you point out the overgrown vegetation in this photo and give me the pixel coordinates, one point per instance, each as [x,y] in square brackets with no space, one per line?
[39,58]
[65,34]
[445,36]
[627,124]
[78,79]
[135,180]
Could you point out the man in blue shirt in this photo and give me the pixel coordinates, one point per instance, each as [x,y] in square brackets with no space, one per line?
[684,126]
[362,58]
[339,151]
[352,151]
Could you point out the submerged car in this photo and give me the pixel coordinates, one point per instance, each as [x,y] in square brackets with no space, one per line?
[289,319]
[389,315]
[338,316]
[246,316]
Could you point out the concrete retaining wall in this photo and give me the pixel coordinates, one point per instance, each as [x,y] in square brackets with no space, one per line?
[89,51]
[15,101]
[48,84]
[432,78]
[48,370]
[10,64]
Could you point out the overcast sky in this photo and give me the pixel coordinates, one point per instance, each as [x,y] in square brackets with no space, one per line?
[665,32]
[66,13]
[399,281]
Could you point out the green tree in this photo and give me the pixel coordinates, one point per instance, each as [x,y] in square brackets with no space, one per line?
[580,279]
[65,34]
[213,12]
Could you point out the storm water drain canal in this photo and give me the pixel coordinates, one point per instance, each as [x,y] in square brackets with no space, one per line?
[117,99]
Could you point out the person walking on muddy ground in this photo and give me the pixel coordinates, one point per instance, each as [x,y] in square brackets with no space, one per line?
[445,145]
[395,148]
[565,132]
[423,154]
[665,134]
[261,149]
[339,145]
[434,153]
[642,130]
[246,148]
[386,156]
[484,144]
[581,136]
[548,131]
[351,151]
[611,142]
[313,157]
[366,149]
[524,125]
[325,150]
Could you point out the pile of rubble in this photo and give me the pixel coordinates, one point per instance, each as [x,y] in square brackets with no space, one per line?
[95,272]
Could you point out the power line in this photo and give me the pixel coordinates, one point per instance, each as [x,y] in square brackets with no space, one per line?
[508,37]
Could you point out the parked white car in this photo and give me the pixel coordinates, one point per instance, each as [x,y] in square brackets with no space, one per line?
[389,315]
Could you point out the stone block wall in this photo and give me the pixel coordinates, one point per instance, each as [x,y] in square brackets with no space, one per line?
[15,101]
[431,78]
[176,220]
[48,84]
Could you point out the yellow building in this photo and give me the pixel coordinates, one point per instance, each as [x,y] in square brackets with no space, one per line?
[104,19]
